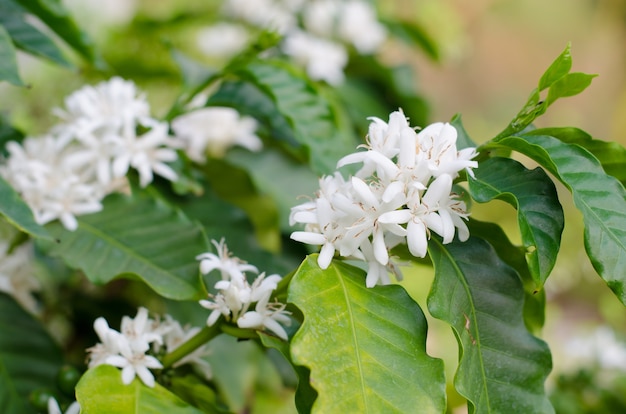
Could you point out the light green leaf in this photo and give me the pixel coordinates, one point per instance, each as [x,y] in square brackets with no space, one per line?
[17,212]
[559,68]
[54,14]
[8,61]
[366,348]
[29,358]
[611,155]
[101,391]
[600,197]
[310,116]
[569,85]
[26,36]
[136,237]
[502,367]
[539,213]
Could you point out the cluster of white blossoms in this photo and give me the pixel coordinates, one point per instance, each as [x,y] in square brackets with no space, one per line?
[316,33]
[141,338]
[105,130]
[236,295]
[402,192]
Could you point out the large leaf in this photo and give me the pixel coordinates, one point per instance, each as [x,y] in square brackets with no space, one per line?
[54,14]
[310,116]
[26,36]
[366,348]
[29,358]
[502,367]
[8,61]
[515,256]
[600,197]
[17,212]
[101,391]
[539,213]
[611,155]
[136,237]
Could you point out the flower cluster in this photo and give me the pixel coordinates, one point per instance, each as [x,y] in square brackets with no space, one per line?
[401,193]
[236,295]
[315,33]
[141,338]
[104,130]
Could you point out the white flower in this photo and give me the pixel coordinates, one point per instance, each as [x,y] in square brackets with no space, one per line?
[53,407]
[222,40]
[16,274]
[267,315]
[230,267]
[439,142]
[358,24]
[322,59]
[214,130]
[134,362]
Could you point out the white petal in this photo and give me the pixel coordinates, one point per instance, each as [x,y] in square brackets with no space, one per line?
[275,327]
[416,238]
[308,237]
[326,255]
[380,249]
[145,375]
[250,320]
[128,374]
[396,216]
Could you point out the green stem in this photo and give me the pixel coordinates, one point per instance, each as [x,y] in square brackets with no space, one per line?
[195,342]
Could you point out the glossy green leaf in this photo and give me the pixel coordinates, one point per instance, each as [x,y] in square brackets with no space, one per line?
[539,213]
[17,212]
[29,358]
[600,197]
[502,367]
[515,256]
[8,61]
[57,17]
[310,116]
[569,85]
[559,68]
[611,155]
[26,36]
[101,391]
[136,237]
[366,348]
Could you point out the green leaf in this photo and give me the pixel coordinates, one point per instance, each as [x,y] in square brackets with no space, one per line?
[366,348]
[136,237]
[569,85]
[26,36]
[515,256]
[54,14]
[539,213]
[305,393]
[310,116]
[463,139]
[600,197]
[8,62]
[559,68]
[502,367]
[196,392]
[29,358]
[101,391]
[414,35]
[611,155]
[17,212]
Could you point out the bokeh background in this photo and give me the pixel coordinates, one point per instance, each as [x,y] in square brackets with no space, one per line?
[492,52]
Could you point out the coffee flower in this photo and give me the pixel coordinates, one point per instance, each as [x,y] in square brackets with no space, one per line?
[402,192]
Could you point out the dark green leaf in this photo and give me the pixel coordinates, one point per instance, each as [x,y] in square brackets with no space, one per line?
[8,62]
[569,85]
[54,14]
[515,256]
[600,197]
[366,348]
[305,393]
[559,68]
[17,212]
[29,358]
[26,36]
[310,116]
[136,237]
[197,393]
[502,367]
[611,155]
[101,391]
[539,213]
